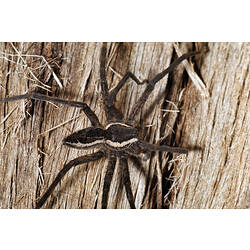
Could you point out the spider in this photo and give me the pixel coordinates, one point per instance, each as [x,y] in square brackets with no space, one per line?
[117,139]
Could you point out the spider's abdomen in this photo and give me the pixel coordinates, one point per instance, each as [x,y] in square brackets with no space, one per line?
[85,138]
[120,136]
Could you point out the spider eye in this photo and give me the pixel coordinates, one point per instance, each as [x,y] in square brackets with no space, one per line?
[85,138]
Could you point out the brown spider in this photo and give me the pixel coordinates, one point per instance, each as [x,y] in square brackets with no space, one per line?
[117,139]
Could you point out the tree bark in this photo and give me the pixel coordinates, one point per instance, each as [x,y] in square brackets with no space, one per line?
[215,174]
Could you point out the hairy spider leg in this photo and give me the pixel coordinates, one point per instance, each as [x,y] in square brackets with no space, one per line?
[151,84]
[114,92]
[112,114]
[109,98]
[36,96]
[79,160]
[108,178]
[126,181]
[153,147]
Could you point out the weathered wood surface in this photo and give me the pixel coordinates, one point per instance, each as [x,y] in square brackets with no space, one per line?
[214,175]
[218,176]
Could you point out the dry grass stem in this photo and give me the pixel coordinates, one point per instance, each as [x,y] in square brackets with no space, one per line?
[60,125]
[24,64]
[8,115]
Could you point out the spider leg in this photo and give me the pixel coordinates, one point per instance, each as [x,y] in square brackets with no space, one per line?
[104,84]
[127,182]
[109,97]
[86,109]
[108,179]
[153,147]
[79,160]
[111,112]
[151,84]
[114,92]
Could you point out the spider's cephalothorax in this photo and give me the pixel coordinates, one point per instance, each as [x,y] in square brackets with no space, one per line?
[119,139]
[120,136]
[116,136]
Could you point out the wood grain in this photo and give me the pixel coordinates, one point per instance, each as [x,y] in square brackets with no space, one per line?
[215,174]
